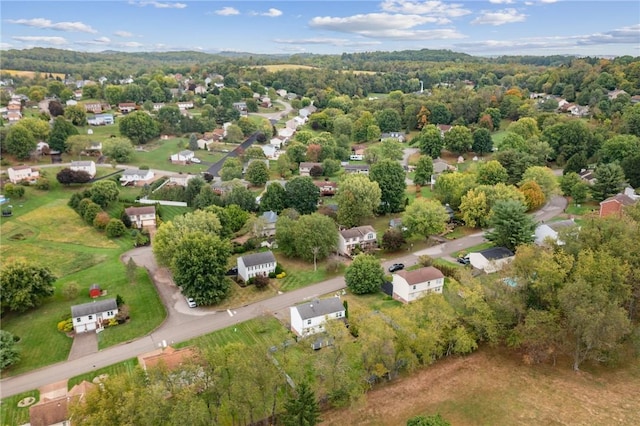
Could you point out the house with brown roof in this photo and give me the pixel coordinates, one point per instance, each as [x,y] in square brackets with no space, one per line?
[142,217]
[413,285]
[614,205]
[169,357]
[305,167]
[55,411]
[327,187]
[364,237]
[126,107]
[94,107]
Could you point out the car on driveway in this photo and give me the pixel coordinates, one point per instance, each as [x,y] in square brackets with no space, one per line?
[196,160]
[232,271]
[464,260]
[396,267]
[191,302]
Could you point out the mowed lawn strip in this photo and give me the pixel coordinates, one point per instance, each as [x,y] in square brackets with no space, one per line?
[125,367]
[11,414]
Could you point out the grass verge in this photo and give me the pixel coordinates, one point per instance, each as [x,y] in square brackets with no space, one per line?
[11,414]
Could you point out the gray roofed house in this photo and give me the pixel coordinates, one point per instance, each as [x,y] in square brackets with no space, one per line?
[491,260]
[309,318]
[270,218]
[252,265]
[93,307]
[549,231]
[92,316]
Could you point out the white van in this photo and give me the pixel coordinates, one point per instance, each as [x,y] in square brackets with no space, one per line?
[356,157]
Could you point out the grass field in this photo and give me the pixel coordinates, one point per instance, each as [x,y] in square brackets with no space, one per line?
[11,414]
[260,330]
[157,154]
[32,74]
[124,367]
[45,230]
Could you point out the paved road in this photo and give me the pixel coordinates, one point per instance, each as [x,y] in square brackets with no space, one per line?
[275,115]
[184,324]
[215,167]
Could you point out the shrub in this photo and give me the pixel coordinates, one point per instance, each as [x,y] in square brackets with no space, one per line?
[281,275]
[70,290]
[101,220]
[13,191]
[261,281]
[91,212]
[448,270]
[115,228]
[272,274]
[119,301]
[113,322]
[66,326]
[279,269]
[425,260]
[43,184]
[333,266]
[143,167]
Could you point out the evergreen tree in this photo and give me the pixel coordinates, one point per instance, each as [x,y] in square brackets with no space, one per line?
[302,409]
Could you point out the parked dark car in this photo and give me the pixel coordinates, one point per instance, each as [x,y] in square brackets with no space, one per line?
[396,267]
[233,271]
[464,260]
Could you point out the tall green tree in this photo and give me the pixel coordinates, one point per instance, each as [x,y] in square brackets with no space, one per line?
[231,169]
[544,177]
[424,170]
[364,275]
[388,120]
[425,217]
[302,194]
[430,141]
[104,192]
[511,225]
[199,265]
[610,180]
[19,142]
[482,141]
[62,129]
[257,173]
[9,353]
[76,114]
[274,198]
[24,285]
[390,176]
[119,150]
[450,187]
[458,139]
[139,127]
[302,409]
[491,173]
[357,199]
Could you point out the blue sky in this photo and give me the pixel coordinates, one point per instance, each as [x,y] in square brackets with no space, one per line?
[491,27]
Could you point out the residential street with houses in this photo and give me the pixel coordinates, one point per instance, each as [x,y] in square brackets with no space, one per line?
[183,323]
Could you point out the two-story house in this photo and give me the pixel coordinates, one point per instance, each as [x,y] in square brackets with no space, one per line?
[182,157]
[127,107]
[305,167]
[23,173]
[269,218]
[142,217]
[412,285]
[256,264]
[309,318]
[89,316]
[136,176]
[84,166]
[398,136]
[356,168]
[361,236]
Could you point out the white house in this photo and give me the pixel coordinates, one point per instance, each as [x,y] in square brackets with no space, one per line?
[185,105]
[491,260]
[183,157]
[142,217]
[361,236]
[256,264]
[309,318]
[305,167]
[20,173]
[412,285]
[84,166]
[270,151]
[101,120]
[550,231]
[181,180]
[89,316]
[270,219]
[135,176]
[286,133]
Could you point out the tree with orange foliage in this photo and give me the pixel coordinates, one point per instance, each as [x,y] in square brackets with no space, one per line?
[533,195]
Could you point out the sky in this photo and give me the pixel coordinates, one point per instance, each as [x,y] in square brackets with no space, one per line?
[481,28]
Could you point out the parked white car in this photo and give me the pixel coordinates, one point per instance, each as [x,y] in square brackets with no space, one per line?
[196,160]
[191,302]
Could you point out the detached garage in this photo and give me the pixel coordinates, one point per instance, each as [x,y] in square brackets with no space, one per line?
[89,316]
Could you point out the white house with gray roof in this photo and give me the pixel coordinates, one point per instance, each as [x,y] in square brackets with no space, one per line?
[89,316]
[256,264]
[309,318]
[136,176]
[84,166]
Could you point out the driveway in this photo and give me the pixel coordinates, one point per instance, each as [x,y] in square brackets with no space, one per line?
[215,167]
[275,115]
[84,344]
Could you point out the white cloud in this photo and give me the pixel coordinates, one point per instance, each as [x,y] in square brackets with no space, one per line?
[548,1]
[370,23]
[4,46]
[327,40]
[57,41]
[130,44]
[500,17]
[159,4]
[227,11]
[501,1]
[272,13]
[435,8]
[98,41]
[123,34]
[58,26]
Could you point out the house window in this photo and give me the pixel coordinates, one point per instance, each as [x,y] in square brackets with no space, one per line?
[414,287]
[78,319]
[110,313]
[369,236]
[338,314]
[90,317]
[308,322]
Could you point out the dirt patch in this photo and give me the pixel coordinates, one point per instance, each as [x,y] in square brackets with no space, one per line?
[490,387]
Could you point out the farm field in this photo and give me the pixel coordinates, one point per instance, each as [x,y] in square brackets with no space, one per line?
[31,74]
[494,387]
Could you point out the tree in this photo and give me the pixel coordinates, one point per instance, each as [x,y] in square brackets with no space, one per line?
[311,237]
[435,420]
[274,198]
[247,126]
[364,275]
[302,409]
[450,187]
[511,225]
[257,173]
[388,120]
[76,114]
[9,353]
[168,119]
[357,199]
[193,189]
[631,168]
[115,228]
[330,167]
[576,163]
[424,170]
[482,141]
[527,127]
[90,212]
[62,129]
[390,176]
[491,173]
[392,239]
[389,149]
[568,181]
[610,180]
[241,197]
[533,195]
[430,141]
[19,142]
[475,208]
[458,139]
[131,270]
[254,152]
[544,177]
[139,127]
[285,166]
[579,192]
[231,169]
[24,285]
[119,150]
[70,290]
[193,142]
[14,191]
[425,217]
[199,265]
[55,109]
[234,134]
[302,194]
[496,116]
[104,192]
[619,147]
[67,176]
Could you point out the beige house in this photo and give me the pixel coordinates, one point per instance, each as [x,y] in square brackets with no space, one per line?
[142,217]
[23,173]
[413,285]
[305,167]
[364,237]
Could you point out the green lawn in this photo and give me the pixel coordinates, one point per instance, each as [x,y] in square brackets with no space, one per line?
[167,213]
[301,274]
[157,154]
[11,414]
[45,230]
[582,209]
[472,249]
[125,367]
[267,330]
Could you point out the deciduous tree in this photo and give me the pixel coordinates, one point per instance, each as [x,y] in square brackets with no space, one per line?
[533,195]
[24,285]
[458,139]
[231,169]
[610,180]
[364,275]
[424,170]
[274,198]
[358,198]
[544,177]
[139,127]
[390,176]
[76,114]
[425,217]
[302,195]
[491,173]
[19,142]
[257,173]
[482,141]
[430,141]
